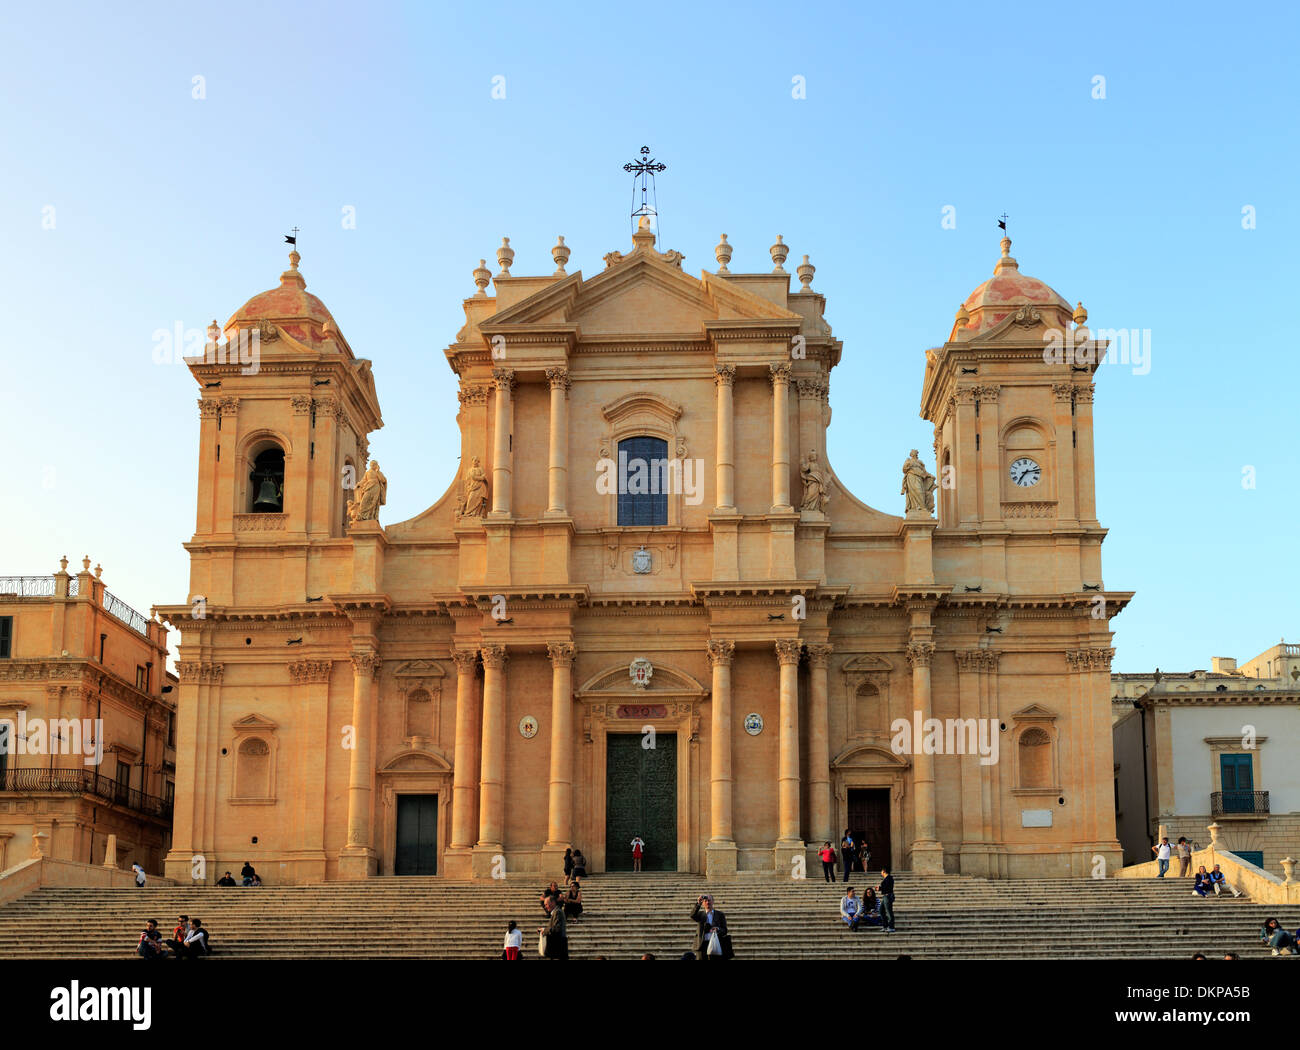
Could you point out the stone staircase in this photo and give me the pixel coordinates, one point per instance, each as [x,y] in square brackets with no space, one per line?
[430,918]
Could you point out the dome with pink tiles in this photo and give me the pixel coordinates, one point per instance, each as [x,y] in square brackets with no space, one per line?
[1003,294]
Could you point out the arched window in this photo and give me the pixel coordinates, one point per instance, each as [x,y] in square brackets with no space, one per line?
[253,769]
[1035,758]
[266,482]
[643,481]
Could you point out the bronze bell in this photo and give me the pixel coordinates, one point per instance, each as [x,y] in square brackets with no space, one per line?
[268,498]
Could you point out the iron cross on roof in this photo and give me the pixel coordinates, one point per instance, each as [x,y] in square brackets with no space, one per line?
[643,171]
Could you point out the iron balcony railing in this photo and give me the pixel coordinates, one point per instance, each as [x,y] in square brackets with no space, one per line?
[136,621]
[85,782]
[43,587]
[1230,803]
[27,586]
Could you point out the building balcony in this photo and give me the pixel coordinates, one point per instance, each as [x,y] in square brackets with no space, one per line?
[85,782]
[1239,803]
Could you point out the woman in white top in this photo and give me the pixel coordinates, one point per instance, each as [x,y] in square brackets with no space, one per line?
[514,941]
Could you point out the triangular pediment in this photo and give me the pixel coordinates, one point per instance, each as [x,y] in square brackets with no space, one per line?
[419,669]
[254,722]
[1034,713]
[658,295]
[867,662]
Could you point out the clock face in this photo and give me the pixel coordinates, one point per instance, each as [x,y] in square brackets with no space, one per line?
[1025,472]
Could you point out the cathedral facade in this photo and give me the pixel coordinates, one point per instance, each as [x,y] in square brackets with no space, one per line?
[645,605]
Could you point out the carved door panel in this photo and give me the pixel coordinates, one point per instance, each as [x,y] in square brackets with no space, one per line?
[641,799]
[417,835]
[869,817]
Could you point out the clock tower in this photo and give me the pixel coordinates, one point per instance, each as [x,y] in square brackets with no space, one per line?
[1010,395]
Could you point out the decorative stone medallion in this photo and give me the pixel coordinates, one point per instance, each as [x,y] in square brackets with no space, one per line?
[640,671]
[528,727]
[753,723]
[641,561]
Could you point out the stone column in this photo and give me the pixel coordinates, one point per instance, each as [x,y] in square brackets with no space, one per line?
[789,842]
[721,850]
[1063,397]
[558,476]
[357,860]
[492,788]
[819,756]
[502,455]
[465,774]
[1085,477]
[725,378]
[560,825]
[927,852]
[780,437]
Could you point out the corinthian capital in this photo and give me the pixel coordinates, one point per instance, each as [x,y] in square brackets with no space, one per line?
[465,660]
[721,652]
[561,653]
[920,654]
[724,375]
[365,664]
[780,374]
[558,377]
[788,650]
[494,657]
[504,379]
[819,655]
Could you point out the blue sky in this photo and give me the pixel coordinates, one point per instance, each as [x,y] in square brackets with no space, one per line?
[168,208]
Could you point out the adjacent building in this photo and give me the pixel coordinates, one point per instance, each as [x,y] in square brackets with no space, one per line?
[1197,747]
[87,723]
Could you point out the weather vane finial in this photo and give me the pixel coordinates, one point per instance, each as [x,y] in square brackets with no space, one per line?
[643,171]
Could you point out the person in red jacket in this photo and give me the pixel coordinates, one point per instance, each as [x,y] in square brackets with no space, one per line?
[827,855]
[638,849]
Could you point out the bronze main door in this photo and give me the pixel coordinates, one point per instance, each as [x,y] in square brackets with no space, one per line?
[417,835]
[641,799]
[869,817]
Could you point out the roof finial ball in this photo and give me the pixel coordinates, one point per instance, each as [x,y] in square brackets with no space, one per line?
[723,254]
[1080,315]
[294,259]
[482,275]
[780,252]
[805,270]
[560,253]
[505,256]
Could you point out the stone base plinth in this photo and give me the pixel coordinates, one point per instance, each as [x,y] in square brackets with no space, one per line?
[784,853]
[927,858]
[720,860]
[488,861]
[357,862]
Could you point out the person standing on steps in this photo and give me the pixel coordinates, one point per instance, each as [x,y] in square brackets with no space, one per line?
[848,852]
[579,864]
[557,932]
[886,891]
[1162,852]
[827,855]
[712,942]
[139,875]
[864,854]
[1184,850]
[514,943]
[638,848]
[568,864]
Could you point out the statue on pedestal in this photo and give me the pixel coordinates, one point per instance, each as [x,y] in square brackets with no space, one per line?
[372,493]
[918,486]
[474,502]
[815,496]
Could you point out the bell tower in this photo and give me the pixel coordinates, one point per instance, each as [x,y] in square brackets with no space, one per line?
[1010,395]
[285,411]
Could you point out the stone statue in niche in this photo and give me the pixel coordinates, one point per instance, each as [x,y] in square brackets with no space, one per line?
[372,493]
[474,502]
[815,495]
[918,486]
